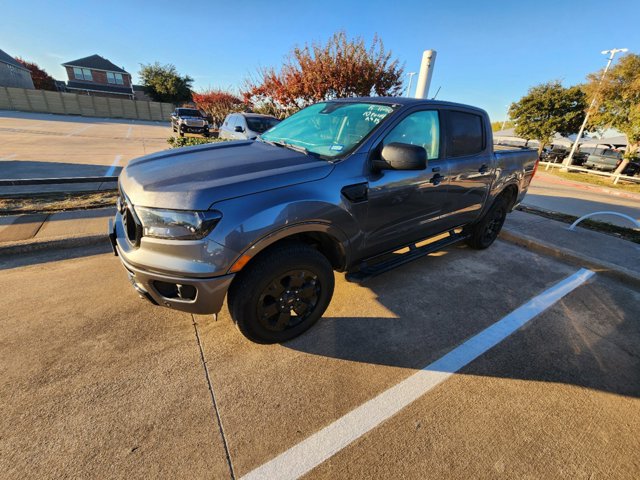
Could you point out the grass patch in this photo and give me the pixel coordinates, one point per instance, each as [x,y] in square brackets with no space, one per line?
[57,202]
[593,180]
[629,234]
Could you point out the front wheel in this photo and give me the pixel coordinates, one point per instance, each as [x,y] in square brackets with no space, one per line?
[281,293]
[484,233]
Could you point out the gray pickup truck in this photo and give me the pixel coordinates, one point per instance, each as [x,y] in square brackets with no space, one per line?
[342,185]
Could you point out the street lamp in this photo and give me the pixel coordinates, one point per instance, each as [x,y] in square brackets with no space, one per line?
[611,53]
[410,75]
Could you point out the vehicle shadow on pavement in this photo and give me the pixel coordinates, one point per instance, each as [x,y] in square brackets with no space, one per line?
[591,338]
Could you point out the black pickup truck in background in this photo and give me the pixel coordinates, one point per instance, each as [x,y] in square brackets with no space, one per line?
[339,186]
[189,120]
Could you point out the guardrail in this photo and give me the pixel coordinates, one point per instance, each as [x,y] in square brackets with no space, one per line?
[615,176]
[55,181]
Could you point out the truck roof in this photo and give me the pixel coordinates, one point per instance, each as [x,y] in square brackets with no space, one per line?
[405,101]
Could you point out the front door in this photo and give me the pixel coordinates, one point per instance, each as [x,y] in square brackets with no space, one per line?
[405,206]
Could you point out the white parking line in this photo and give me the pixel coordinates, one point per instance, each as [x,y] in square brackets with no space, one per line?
[115,163]
[325,443]
[9,157]
[79,130]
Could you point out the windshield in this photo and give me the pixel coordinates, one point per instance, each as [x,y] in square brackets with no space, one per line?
[261,124]
[330,129]
[189,112]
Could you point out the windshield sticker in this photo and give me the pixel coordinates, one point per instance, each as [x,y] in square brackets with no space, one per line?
[337,148]
[375,113]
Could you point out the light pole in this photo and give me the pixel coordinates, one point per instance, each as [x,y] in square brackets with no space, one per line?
[612,53]
[410,75]
[506,119]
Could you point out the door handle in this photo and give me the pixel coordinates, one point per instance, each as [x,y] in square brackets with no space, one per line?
[436,179]
[484,168]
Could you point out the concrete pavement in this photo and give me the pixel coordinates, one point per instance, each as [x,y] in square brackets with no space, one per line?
[36,145]
[95,382]
[550,193]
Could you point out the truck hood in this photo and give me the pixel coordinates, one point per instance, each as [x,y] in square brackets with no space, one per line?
[194,178]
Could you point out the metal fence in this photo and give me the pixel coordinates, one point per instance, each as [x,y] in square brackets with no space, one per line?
[616,177]
[45,101]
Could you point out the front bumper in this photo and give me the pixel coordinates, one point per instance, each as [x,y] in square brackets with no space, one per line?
[187,294]
[188,129]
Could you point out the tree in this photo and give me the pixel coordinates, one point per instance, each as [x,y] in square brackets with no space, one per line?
[163,83]
[41,79]
[618,101]
[342,67]
[218,104]
[547,109]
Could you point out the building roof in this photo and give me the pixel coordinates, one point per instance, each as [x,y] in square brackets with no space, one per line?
[97,62]
[6,58]
[99,87]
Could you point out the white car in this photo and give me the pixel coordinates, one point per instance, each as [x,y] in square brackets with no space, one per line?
[246,126]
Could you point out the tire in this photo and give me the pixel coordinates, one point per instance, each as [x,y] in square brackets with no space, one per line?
[281,294]
[483,233]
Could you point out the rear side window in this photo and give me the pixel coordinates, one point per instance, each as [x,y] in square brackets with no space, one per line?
[466,136]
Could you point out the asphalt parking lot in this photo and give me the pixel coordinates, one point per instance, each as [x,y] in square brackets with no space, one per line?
[39,145]
[97,383]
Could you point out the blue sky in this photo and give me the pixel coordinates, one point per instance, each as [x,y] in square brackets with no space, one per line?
[489,52]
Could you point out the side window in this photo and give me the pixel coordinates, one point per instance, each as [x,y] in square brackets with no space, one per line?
[419,128]
[465,133]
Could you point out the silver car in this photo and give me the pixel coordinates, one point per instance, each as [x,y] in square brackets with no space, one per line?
[246,126]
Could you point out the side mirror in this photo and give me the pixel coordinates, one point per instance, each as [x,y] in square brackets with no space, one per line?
[239,129]
[401,156]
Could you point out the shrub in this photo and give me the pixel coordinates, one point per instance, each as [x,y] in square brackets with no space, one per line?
[177,142]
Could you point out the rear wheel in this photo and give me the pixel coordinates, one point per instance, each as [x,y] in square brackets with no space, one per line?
[281,293]
[484,233]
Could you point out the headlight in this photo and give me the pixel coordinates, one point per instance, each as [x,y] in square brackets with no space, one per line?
[177,224]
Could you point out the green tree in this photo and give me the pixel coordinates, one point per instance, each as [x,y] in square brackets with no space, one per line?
[547,109]
[163,83]
[618,101]
[342,67]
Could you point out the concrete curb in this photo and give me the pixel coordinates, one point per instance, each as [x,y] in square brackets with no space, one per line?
[17,248]
[606,268]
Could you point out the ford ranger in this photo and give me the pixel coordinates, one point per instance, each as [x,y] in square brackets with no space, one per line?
[342,185]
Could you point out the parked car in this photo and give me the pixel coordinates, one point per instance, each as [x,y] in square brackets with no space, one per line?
[246,126]
[555,155]
[189,120]
[605,159]
[340,185]
[632,168]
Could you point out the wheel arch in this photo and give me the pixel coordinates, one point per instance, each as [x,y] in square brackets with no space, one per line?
[327,239]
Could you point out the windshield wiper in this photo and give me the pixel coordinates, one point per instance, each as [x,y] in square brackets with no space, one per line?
[295,148]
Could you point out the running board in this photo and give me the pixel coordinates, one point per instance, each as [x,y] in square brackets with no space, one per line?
[366,271]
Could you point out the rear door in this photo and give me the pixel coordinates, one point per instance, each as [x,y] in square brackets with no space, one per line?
[405,206]
[471,165]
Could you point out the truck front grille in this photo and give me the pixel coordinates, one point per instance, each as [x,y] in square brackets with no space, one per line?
[132,226]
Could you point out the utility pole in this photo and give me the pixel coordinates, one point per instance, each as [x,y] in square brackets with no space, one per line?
[426,72]
[612,53]
[410,75]
[506,118]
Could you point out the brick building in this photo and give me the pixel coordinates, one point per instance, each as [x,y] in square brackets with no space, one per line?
[95,75]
